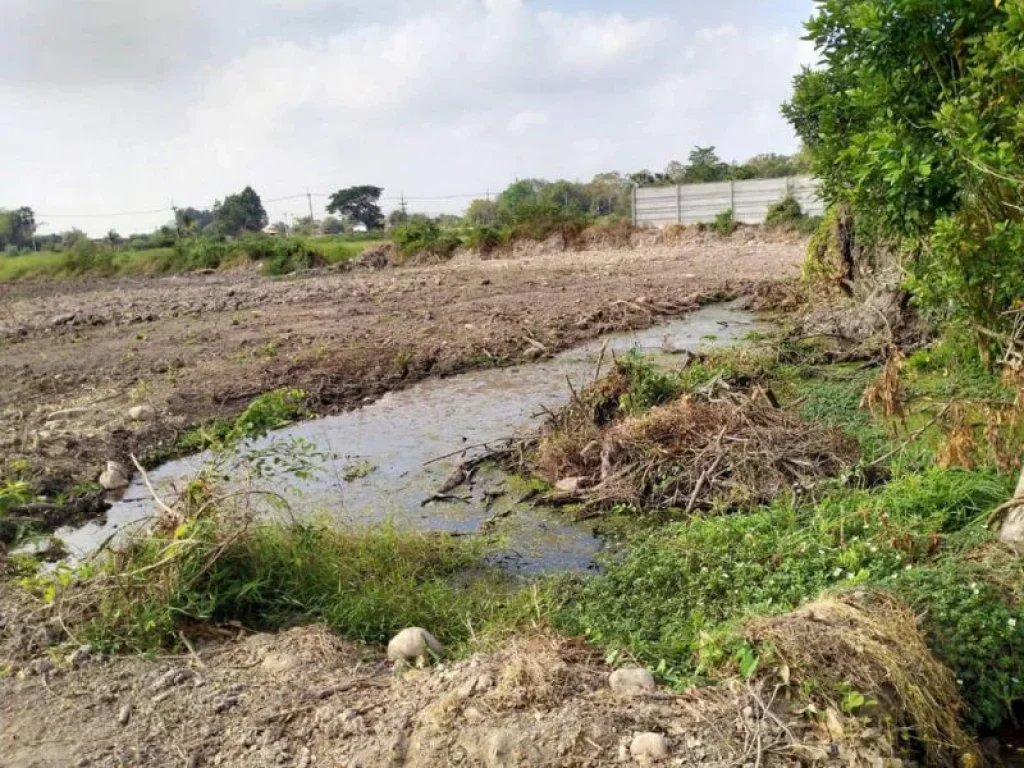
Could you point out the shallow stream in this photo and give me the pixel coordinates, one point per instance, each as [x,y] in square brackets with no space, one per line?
[379,463]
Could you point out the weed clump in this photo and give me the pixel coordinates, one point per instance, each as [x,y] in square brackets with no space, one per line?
[725,223]
[865,644]
[634,440]
[269,411]
[220,565]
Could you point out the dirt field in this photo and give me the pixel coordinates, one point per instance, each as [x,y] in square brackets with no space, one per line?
[305,698]
[77,356]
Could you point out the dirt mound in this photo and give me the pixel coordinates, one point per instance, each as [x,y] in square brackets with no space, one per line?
[378,257]
[304,698]
[689,452]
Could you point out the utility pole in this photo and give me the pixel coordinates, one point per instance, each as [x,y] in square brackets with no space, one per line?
[309,198]
[404,213]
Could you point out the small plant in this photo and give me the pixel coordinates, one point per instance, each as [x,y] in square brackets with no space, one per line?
[725,223]
[784,214]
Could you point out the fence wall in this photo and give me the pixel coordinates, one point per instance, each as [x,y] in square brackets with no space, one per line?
[696,203]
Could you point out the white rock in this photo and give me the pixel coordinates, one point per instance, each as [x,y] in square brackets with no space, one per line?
[414,646]
[632,681]
[648,747]
[142,413]
[570,484]
[114,477]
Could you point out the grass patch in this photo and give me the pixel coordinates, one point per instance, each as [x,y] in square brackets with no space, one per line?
[365,585]
[270,411]
[279,256]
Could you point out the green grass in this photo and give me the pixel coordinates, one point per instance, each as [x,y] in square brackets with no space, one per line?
[281,256]
[365,585]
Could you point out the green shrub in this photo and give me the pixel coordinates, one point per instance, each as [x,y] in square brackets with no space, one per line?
[725,223]
[486,238]
[649,385]
[785,213]
[425,236]
[86,257]
[974,623]
[685,583]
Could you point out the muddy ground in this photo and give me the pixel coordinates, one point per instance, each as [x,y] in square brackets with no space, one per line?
[75,357]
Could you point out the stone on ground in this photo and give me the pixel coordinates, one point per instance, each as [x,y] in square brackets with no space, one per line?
[632,681]
[414,646]
[648,747]
[114,477]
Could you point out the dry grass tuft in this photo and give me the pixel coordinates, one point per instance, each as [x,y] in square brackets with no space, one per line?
[688,453]
[542,669]
[885,394]
[870,641]
[960,447]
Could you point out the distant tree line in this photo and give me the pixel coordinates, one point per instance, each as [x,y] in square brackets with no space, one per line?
[607,195]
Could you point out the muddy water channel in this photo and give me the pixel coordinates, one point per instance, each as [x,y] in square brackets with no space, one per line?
[378,463]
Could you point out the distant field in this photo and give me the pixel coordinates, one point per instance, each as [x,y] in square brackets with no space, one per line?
[164,261]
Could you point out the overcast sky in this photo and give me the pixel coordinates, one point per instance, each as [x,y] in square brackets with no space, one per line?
[114,106]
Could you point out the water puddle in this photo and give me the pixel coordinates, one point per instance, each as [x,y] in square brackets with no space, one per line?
[375,460]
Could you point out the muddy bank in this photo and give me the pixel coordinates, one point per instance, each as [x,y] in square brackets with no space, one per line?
[387,460]
[77,358]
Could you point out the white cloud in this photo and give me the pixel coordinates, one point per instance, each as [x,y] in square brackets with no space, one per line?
[444,97]
[524,121]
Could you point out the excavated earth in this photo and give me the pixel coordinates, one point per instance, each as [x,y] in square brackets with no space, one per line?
[76,357]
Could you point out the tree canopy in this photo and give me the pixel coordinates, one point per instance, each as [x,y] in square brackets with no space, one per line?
[359,204]
[243,212]
[915,123]
[17,228]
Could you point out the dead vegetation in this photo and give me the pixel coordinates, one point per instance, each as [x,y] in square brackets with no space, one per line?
[868,645]
[693,451]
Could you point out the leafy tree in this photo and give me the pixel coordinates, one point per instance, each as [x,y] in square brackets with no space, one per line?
[243,212]
[358,204]
[914,124]
[482,212]
[114,239]
[332,226]
[192,220]
[303,226]
[704,166]
[17,228]
[397,218]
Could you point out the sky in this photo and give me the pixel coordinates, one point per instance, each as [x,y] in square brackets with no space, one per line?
[115,110]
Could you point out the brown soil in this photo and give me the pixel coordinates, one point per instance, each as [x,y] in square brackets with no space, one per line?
[304,698]
[202,346]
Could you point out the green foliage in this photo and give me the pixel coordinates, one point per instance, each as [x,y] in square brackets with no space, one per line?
[486,238]
[269,411]
[365,585]
[425,236]
[649,385]
[86,257]
[725,223]
[974,623]
[673,596]
[239,213]
[914,121]
[17,228]
[785,213]
[358,204]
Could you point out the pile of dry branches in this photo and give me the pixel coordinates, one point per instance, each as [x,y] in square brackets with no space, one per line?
[689,453]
